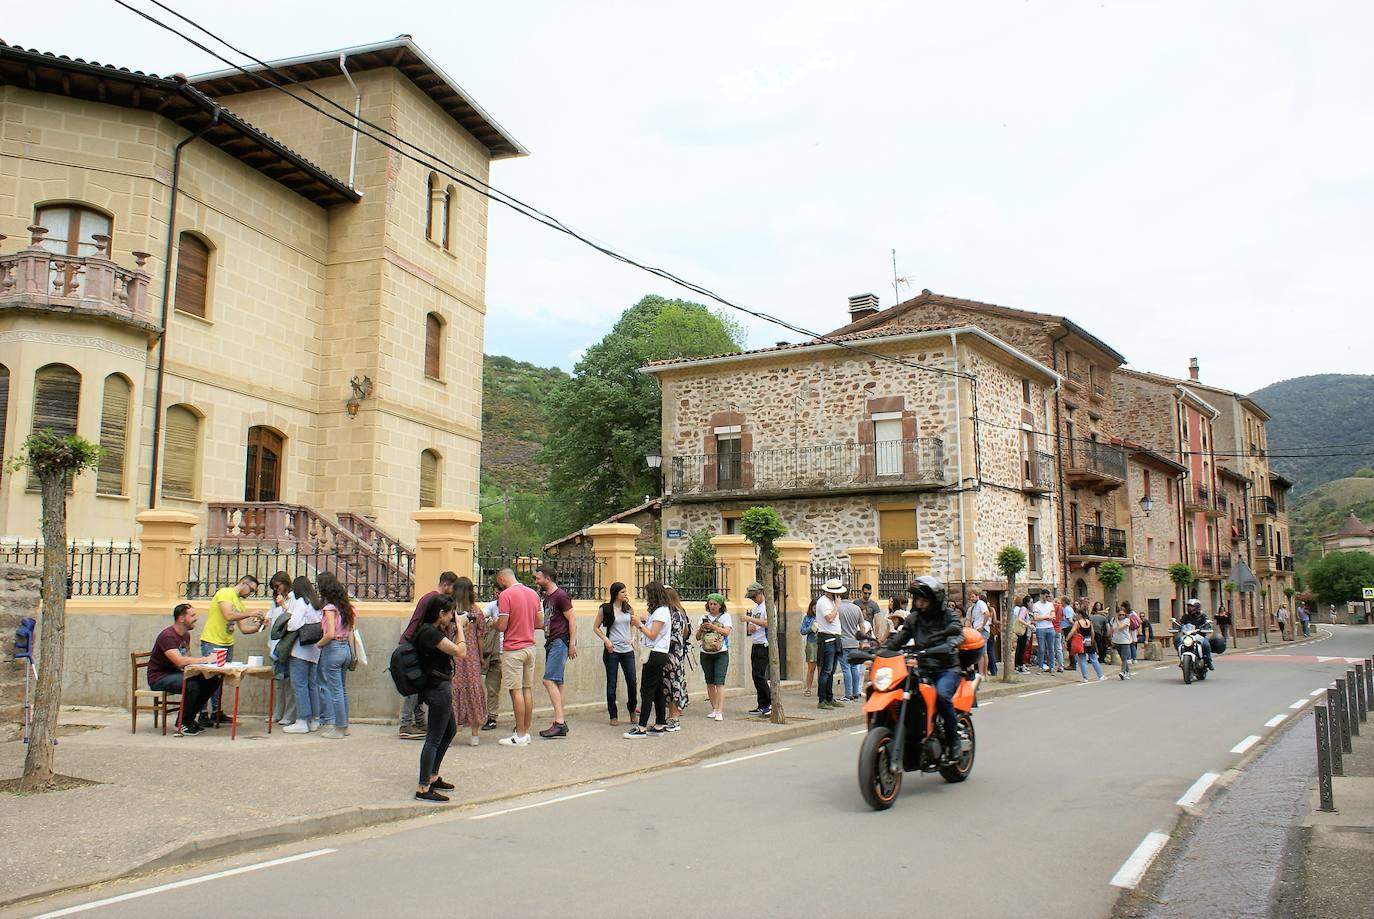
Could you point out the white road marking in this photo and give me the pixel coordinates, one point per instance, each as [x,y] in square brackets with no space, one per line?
[1300,703]
[177,885]
[1275,721]
[1135,867]
[525,807]
[1246,744]
[1027,695]
[1199,788]
[859,731]
[985,704]
[1318,692]
[740,759]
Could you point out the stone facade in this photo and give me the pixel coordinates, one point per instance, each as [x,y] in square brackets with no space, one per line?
[300,298]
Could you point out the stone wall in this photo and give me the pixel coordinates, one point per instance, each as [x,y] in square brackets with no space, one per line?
[20,592]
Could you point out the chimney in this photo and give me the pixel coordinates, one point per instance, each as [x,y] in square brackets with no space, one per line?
[1192,369]
[861,306]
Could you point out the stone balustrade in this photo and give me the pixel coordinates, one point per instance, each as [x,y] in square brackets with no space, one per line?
[36,278]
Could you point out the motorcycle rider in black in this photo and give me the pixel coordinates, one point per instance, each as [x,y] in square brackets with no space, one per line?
[1198,619]
[935,630]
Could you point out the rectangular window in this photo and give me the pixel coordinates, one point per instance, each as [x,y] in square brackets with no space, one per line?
[1033,545]
[728,459]
[1152,605]
[1149,548]
[1025,391]
[1145,480]
[729,524]
[181,444]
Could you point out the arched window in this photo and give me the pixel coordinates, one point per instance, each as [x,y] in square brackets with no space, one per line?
[193,275]
[4,408]
[262,477]
[114,435]
[450,205]
[431,192]
[434,346]
[180,452]
[56,399]
[72,228]
[429,479]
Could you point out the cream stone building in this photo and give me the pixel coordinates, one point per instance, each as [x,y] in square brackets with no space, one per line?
[247,305]
[934,452]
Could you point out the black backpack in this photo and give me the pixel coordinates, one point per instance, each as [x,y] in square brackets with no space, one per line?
[407,669]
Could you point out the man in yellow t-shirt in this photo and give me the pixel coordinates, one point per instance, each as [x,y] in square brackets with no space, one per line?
[226,609]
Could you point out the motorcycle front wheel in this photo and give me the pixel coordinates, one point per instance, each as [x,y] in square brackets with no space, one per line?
[879,780]
[960,770]
[1187,671]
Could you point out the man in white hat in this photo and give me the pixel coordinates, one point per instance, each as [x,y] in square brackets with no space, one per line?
[828,640]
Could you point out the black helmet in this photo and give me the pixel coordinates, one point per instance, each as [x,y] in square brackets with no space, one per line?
[932,588]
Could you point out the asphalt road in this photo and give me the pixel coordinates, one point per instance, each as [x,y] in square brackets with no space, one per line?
[1066,785]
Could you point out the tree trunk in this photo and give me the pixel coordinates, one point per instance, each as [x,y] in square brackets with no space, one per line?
[1008,636]
[770,604]
[47,700]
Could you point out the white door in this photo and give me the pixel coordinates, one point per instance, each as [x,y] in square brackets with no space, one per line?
[887,445]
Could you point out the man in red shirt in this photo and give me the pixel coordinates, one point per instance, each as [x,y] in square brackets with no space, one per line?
[560,644]
[169,658]
[518,610]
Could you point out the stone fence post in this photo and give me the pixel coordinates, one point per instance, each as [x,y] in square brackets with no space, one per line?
[164,540]
[445,543]
[613,545]
[739,557]
[795,557]
[917,561]
[864,564]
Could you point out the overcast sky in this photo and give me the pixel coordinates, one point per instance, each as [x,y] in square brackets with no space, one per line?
[1183,179]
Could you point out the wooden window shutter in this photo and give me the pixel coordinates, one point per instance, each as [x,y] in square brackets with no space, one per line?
[434,337]
[114,424]
[181,446]
[56,398]
[429,479]
[4,405]
[193,274]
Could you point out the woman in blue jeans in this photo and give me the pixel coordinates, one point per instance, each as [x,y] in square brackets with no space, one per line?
[617,638]
[336,654]
[305,675]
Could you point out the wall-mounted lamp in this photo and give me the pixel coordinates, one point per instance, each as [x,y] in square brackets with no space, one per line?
[1147,504]
[362,388]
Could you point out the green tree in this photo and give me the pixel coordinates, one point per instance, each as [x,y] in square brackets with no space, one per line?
[698,563]
[762,526]
[1011,561]
[1111,574]
[606,417]
[1340,576]
[55,461]
[1183,578]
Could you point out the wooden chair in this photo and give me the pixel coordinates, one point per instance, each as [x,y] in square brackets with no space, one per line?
[159,702]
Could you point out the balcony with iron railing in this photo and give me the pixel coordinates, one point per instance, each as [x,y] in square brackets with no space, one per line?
[1099,542]
[1197,497]
[1224,564]
[37,279]
[1096,465]
[852,468]
[1223,503]
[1037,470]
[1265,506]
[1285,562]
[1204,563]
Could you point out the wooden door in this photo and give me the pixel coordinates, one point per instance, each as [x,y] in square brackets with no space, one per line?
[262,477]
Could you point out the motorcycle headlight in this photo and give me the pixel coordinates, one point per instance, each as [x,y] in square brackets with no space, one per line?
[1187,642]
[882,678]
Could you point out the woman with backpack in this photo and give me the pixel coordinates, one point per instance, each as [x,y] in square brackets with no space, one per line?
[678,648]
[1082,645]
[336,654]
[614,629]
[714,635]
[1021,628]
[437,653]
[469,696]
[808,631]
[305,656]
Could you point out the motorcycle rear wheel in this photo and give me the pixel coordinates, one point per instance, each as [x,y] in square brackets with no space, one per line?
[879,785]
[960,771]
[1202,673]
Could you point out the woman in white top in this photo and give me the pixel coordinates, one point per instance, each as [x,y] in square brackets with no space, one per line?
[658,635]
[714,635]
[305,659]
[614,629]
[1022,626]
[1122,637]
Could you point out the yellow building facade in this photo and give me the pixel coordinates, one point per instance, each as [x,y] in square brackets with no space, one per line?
[314,339]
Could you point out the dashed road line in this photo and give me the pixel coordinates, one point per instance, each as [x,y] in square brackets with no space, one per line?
[525,807]
[1275,721]
[859,731]
[1135,867]
[1246,744]
[1038,692]
[1318,692]
[740,759]
[1300,703]
[1199,788]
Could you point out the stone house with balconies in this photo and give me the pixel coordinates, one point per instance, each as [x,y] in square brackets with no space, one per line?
[908,438]
[251,336]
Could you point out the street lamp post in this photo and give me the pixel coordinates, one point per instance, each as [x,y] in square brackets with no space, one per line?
[655,461]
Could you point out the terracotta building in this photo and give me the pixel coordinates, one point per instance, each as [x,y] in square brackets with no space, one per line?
[936,449]
[259,316]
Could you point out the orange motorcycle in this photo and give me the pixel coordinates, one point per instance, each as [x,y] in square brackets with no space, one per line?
[902,733]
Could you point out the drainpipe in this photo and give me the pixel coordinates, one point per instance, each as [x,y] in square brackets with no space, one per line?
[357,111]
[959,490]
[153,476]
[1059,452]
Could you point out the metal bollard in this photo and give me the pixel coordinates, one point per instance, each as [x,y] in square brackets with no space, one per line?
[1333,734]
[1369,680]
[1351,706]
[1342,722]
[1322,722]
[1361,701]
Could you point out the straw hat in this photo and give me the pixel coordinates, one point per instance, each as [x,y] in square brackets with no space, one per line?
[834,586]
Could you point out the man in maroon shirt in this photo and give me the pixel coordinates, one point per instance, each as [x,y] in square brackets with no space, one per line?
[412,709]
[169,658]
[560,645]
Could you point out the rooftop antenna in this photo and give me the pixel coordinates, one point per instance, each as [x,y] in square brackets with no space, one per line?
[897,282]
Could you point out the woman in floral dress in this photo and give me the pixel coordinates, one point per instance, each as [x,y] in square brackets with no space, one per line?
[676,671]
[469,698]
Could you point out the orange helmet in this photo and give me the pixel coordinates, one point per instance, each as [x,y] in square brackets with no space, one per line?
[973,640]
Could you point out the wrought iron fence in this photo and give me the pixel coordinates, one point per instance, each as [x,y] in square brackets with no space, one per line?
[364,576]
[1102,541]
[893,582]
[579,576]
[692,582]
[1097,457]
[822,573]
[93,570]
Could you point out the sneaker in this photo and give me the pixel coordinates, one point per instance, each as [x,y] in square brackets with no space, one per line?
[332,733]
[440,785]
[473,741]
[1121,676]
[720,716]
[1045,669]
[297,727]
[431,795]
[205,720]
[490,725]
[554,731]
[412,732]
[758,711]
[515,740]
[314,724]
[767,711]
[192,729]
[672,726]
[632,733]
[1101,678]
[283,721]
